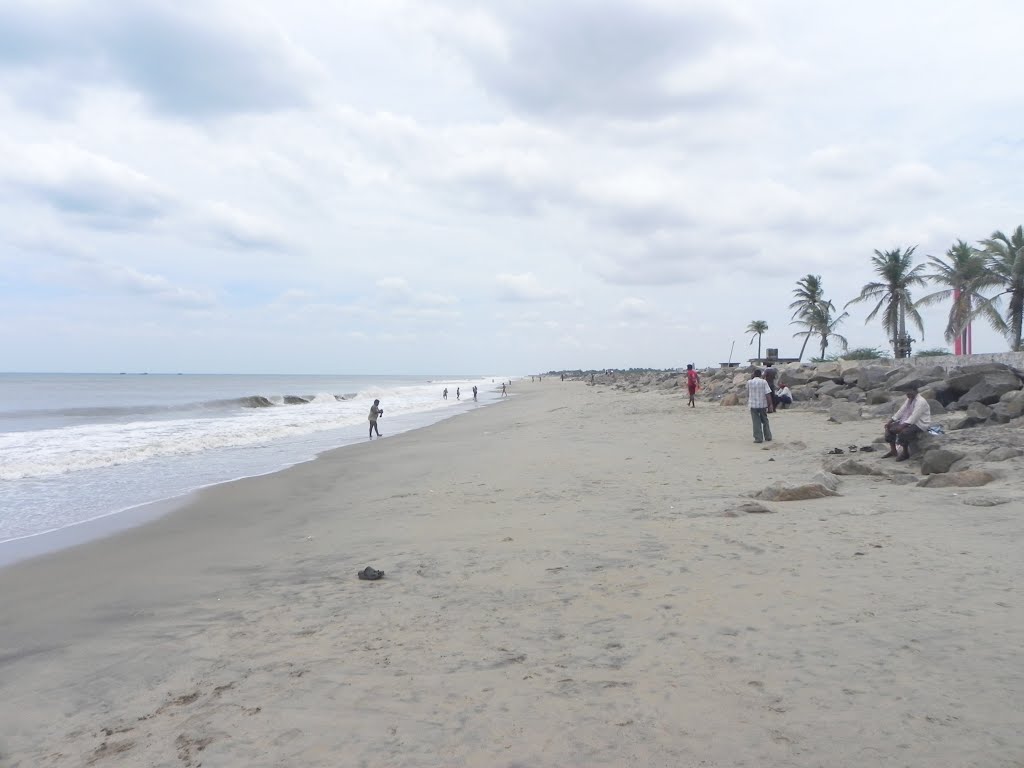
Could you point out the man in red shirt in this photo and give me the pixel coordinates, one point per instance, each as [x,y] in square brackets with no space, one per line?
[692,383]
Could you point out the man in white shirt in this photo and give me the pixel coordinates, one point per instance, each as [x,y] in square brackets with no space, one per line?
[913,418]
[758,393]
[784,395]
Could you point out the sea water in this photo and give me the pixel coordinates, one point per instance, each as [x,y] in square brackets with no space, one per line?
[79,447]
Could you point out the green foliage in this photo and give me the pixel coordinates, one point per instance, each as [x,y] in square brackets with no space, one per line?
[935,352]
[862,353]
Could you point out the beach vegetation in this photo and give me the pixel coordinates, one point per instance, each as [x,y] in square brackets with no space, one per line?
[1005,260]
[820,321]
[933,352]
[808,294]
[964,275]
[893,294]
[757,329]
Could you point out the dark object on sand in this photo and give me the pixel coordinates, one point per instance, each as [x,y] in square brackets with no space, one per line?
[836,452]
[867,449]
[370,574]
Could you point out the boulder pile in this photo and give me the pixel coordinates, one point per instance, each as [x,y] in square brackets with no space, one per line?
[968,396]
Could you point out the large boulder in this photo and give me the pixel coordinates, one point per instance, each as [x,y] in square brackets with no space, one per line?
[831,388]
[969,478]
[941,391]
[842,412]
[1005,410]
[827,372]
[991,387]
[871,376]
[979,411]
[918,378]
[853,466]
[971,375]
[1002,453]
[822,485]
[731,399]
[938,461]
[936,407]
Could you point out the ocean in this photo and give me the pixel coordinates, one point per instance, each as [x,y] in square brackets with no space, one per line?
[76,448]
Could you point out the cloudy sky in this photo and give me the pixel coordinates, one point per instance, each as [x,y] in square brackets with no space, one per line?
[433,186]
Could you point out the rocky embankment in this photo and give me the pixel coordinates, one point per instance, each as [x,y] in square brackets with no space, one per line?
[979,407]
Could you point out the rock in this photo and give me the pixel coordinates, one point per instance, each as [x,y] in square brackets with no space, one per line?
[983,501]
[938,461]
[903,478]
[1009,409]
[955,421]
[960,465]
[871,377]
[831,388]
[821,486]
[879,397]
[731,399]
[918,377]
[826,372]
[936,406]
[1003,453]
[941,391]
[856,467]
[978,411]
[1001,381]
[1011,396]
[970,478]
[754,508]
[842,412]
[990,389]
[853,394]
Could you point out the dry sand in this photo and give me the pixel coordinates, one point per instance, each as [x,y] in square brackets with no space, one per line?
[568,584]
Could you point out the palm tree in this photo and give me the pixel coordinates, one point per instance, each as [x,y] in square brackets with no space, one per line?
[893,295]
[1005,257]
[809,293]
[819,322]
[757,328]
[965,273]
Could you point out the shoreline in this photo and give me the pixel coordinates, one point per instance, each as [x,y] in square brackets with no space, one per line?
[21,548]
[570,580]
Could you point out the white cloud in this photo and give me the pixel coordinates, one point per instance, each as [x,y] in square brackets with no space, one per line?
[526,288]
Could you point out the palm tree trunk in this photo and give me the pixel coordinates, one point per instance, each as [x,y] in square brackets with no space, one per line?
[901,332]
[1016,318]
[803,347]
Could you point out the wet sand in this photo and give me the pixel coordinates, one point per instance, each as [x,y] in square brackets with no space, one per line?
[570,582]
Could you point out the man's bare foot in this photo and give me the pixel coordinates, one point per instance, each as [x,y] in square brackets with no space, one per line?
[888,455]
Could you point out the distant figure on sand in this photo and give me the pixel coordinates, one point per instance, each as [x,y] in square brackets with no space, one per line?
[444,395]
[784,396]
[909,421]
[758,394]
[769,378]
[692,383]
[503,392]
[474,391]
[375,412]
[458,393]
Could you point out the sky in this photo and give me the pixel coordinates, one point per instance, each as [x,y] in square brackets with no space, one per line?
[444,186]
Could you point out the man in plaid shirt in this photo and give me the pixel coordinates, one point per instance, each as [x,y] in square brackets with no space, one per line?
[758,393]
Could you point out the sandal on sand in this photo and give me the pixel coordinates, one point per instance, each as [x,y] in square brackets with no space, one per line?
[370,574]
[836,452]
[852,449]
[867,449]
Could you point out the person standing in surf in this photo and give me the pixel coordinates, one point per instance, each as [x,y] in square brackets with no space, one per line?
[375,413]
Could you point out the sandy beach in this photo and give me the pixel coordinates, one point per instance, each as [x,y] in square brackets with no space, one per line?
[571,580]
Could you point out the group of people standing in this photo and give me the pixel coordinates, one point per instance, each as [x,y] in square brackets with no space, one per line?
[458,393]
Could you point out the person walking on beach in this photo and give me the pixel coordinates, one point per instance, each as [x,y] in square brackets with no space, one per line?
[444,395]
[692,383]
[769,378]
[474,391]
[458,393]
[503,392]
[758,393]
[906,424]
[375,412]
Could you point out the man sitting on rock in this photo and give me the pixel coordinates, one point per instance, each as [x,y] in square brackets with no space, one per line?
[913,418]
